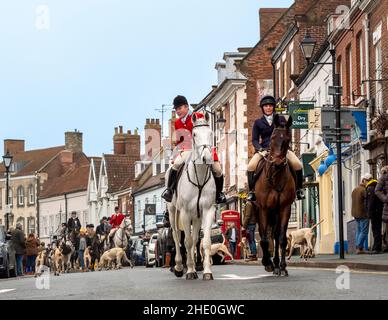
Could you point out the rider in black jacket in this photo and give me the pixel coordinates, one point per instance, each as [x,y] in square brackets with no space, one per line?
[261,137]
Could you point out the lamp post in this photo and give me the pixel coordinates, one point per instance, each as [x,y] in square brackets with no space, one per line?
[307,47]
[7,160]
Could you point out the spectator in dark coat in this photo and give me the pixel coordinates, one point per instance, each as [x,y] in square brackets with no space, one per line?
[382,193]
[374,207]
[359,212]
[249,224]
[233,237]
[32,251]
[18,242]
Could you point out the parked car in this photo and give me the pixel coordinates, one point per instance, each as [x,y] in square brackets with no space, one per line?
[7,256]
[150,260]
[137,252]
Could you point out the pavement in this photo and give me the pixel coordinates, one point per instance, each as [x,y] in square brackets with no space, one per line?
[232,283]
[376,262]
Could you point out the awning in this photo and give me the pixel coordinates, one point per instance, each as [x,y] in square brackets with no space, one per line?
[360,118]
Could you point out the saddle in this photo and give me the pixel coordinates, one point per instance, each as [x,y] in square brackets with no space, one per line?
[178,177]
[260,168]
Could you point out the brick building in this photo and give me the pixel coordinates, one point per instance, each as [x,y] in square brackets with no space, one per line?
[34,175]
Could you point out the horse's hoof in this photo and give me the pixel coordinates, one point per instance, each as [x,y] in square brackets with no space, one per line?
[276,272]
[284,273]
[208,277]
[178,274]
[191,276]
[269,268]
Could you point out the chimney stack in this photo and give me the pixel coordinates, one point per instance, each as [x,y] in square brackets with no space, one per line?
[73,141]
[153,136]
[126,143]
[14,146]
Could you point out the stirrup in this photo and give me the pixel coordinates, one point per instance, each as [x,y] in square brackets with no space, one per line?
[221,198]
[167,195]
[251,196]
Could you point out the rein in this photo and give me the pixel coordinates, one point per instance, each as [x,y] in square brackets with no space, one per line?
[270,173]
[208,174]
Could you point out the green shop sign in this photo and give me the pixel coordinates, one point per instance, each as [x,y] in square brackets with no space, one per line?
[300,117]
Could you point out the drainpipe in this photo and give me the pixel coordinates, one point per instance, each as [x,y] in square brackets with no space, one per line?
[37,205]
[66,208]
[274,78]
[367,75]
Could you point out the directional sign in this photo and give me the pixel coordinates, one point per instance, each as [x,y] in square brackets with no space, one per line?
[328,118]
[307,105]
[300,118]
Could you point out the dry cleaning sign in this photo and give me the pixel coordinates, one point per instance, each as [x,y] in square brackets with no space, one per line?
[300,117]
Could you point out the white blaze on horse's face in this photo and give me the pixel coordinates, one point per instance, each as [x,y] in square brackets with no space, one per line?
[202,141]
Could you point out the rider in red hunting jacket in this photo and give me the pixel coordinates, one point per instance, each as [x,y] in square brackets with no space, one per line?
[183,130]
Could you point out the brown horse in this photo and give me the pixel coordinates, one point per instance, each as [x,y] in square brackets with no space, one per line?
[275,192]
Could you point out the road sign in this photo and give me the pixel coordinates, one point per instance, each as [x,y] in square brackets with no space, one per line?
[300,118]
[150,209]
[336,91]
[328,118]
[306,105]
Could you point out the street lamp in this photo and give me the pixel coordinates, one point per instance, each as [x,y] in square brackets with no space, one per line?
[307,46]
[7,160]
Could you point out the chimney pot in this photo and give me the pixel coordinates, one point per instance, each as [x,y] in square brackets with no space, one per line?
[121,129]
[116,130]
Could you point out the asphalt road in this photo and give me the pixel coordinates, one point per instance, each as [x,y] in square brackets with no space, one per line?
[232,282]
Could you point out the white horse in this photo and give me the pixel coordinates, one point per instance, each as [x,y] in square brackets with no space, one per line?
[193,205]
[120,238]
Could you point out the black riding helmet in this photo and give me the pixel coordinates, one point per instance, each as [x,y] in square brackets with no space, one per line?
[267,100]
[180,101]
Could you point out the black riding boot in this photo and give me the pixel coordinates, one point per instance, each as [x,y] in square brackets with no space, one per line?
[169,192]
[251,185]
[220,196]
[299,185]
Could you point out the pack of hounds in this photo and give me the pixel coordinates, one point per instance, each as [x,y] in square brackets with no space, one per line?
[64,259]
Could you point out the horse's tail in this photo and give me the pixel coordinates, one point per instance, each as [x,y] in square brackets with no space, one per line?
[317,224]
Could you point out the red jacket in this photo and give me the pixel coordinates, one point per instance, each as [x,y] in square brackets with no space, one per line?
[116,220]
[183,132]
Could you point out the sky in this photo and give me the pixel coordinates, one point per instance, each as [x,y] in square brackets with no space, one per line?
[93,65]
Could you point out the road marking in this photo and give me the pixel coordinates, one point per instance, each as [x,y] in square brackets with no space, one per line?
[384,273]
[6,290]
[236,277]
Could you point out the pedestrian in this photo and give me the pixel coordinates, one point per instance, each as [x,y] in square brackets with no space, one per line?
[249,224]
[32,251]
[81,248]
[233,238]
[18,243]
[381,192]
[359,212]
[375,212]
